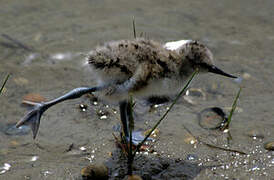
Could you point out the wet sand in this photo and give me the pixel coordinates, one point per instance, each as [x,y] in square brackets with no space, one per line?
[56,33]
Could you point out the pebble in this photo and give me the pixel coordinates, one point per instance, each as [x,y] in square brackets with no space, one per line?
[34,158]
[269,146]
[95,172]
[246,75]
[255,134]
[190,139]
[192,157]
[83,107]
[154,134]
[103,117]
[102,113]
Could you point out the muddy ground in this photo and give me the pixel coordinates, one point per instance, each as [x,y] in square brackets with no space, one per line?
[41,46]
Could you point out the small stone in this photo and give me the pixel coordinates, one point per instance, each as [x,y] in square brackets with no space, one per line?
[192,157]
[95,172]
[83,107]
[269,146]
[154,134]
[34,158]
[109,154]
[190,139]
[46,173]
[83,148]
[255,134]
[103,117]
[95,103]
[246,76]
[102,113]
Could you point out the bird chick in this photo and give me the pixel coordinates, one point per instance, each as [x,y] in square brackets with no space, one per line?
[140,68]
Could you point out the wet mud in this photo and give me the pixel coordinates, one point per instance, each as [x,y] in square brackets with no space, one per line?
[42,46]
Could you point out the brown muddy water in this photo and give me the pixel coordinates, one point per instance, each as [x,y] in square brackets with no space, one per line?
[54,34]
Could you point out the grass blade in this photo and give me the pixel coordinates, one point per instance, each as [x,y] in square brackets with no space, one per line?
[5,81]
[170,107]
[133,25]
[234,105]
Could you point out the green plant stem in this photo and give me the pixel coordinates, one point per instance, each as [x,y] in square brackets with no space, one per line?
[234,105]
[5,81]
[160,120]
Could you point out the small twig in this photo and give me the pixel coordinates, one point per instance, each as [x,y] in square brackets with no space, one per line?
[8,45]
[5,81]
[18,43]
[212,146]
[221,148]
[189,132]
[69,148]
[15,44]
[133,25]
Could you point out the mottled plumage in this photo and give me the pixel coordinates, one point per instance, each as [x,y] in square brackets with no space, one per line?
[141,68]
[145,67]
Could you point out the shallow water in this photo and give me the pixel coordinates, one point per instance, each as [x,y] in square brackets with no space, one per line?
[56,33]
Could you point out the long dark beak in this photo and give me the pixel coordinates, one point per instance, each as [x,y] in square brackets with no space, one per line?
[214,69]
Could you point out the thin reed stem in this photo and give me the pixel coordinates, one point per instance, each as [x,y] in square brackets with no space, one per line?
[170,107]
[5,81]
[133,25]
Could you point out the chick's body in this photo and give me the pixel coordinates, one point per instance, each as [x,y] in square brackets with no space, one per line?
[139,67]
